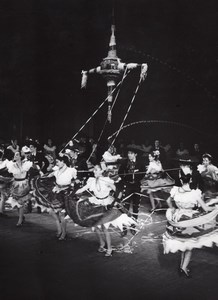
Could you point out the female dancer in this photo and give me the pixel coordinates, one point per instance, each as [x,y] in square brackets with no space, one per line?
[14,147]
[100,188]
[5,182]
[209,175]
[50,195]
[50,153]
[20,187]
[155,178]
[191,223]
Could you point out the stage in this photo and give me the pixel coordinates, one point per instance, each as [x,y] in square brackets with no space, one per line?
[34,265]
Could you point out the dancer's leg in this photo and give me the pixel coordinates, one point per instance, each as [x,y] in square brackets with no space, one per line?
[182,259]
[63,227]
[108,242]
[108,239]
[187,258]
[57,222]
[135,205]
[151,197]
[21,217]
[100,237]
[2,203]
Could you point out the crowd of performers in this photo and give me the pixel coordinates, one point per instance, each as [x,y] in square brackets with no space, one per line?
[106,192]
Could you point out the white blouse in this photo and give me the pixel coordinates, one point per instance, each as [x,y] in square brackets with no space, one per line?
[101,187]
[19,171]
[154,167]
[185,199]
[108,157]
[65,177]
[3,163]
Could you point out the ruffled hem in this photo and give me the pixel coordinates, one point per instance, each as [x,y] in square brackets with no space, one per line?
[45,209]
[14,203]
[121,222]
[173,245]
[45,197]
[200,218]
[212,202]
[157,184]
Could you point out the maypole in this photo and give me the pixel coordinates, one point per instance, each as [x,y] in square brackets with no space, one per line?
[111,69]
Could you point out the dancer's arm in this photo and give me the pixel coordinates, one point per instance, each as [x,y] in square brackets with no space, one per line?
[204,205]
[84,188]
[112,186]
[170,202]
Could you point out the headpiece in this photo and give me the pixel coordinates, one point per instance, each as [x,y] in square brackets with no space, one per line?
[156,153]
[207,155]
[25,149]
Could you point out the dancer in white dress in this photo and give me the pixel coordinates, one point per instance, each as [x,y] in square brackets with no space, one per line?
[100,189]
[20,187]
[209,175]
[155,178]
[191,223]
[5,182]
[51,192]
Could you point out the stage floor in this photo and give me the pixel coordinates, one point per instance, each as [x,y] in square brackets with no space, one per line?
[34,265]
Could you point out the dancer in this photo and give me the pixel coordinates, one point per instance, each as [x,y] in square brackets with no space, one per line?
[209,175]
[40,165]
[5,182]
[131,173]
[191,223]
[50,149]
[20,187]
[110,156]
[111,162]
[100,189]
[50,154]
[13,147]
[78,162]
[155,178]
[51,195]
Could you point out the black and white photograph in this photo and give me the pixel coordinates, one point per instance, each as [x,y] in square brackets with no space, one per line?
[108,149]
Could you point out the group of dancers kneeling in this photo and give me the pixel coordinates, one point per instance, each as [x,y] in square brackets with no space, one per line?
[191,214]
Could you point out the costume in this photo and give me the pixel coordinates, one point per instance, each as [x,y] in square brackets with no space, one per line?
[5,177]
[51,193]
[131,173]
[100,190]
[6,180]
[50,150]
[19,193]
[188,226]
[40,163]
[155,179]
[182,153]
[50,155]
[94,207]
[112,163]
[81,166]
[209,177]
[13,148]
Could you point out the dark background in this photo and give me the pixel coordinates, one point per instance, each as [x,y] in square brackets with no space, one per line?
[45,45]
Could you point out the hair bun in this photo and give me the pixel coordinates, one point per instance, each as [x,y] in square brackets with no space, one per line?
[185,177]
